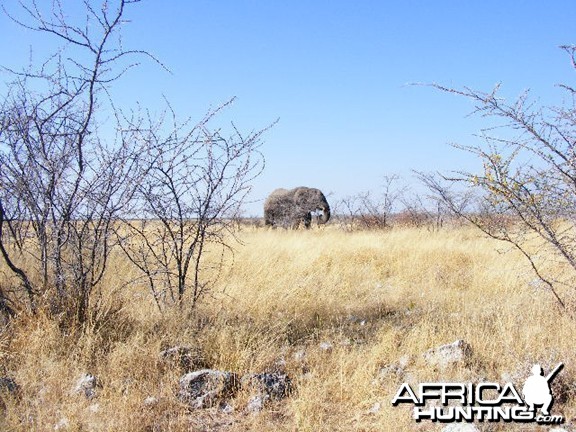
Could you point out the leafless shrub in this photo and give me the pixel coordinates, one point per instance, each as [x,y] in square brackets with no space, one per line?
[527,188]
[396,205]
[421,211]
[364,211]
[188,200]
[73,165]
[60,184]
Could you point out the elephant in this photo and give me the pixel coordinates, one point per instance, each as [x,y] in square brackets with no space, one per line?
[291,207]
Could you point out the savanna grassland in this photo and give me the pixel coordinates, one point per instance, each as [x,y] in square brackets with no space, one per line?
[336,311]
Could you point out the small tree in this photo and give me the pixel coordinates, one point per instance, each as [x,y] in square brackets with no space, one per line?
[365,211]
[61,185]
[189,200]
[422,210]
[526,192]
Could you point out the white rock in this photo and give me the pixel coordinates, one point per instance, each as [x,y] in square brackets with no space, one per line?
[227,408]
[151,401]
[255,404]
[403,361]
[86,384]
[64,423]
[375,408]
[300,355]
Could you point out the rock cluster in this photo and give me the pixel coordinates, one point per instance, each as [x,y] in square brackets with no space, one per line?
[265,387]
[86,385]
[207,387]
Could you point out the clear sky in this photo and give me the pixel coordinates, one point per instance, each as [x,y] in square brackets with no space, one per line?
[337,74]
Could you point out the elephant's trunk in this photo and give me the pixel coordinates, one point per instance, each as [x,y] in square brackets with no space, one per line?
[325,215]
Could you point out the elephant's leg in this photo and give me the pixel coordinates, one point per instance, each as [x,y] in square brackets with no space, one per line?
[307,220]
[268,218]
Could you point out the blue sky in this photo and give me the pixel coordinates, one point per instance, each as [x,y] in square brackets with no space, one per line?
[337,74]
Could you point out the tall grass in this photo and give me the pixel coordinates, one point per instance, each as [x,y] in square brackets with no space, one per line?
[372,298]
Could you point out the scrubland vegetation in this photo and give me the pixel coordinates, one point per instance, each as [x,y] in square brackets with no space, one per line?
[334,310]
[117,229]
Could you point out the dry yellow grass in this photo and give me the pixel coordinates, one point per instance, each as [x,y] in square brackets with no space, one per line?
[375,297]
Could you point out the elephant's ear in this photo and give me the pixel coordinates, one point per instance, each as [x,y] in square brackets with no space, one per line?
[301,197]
